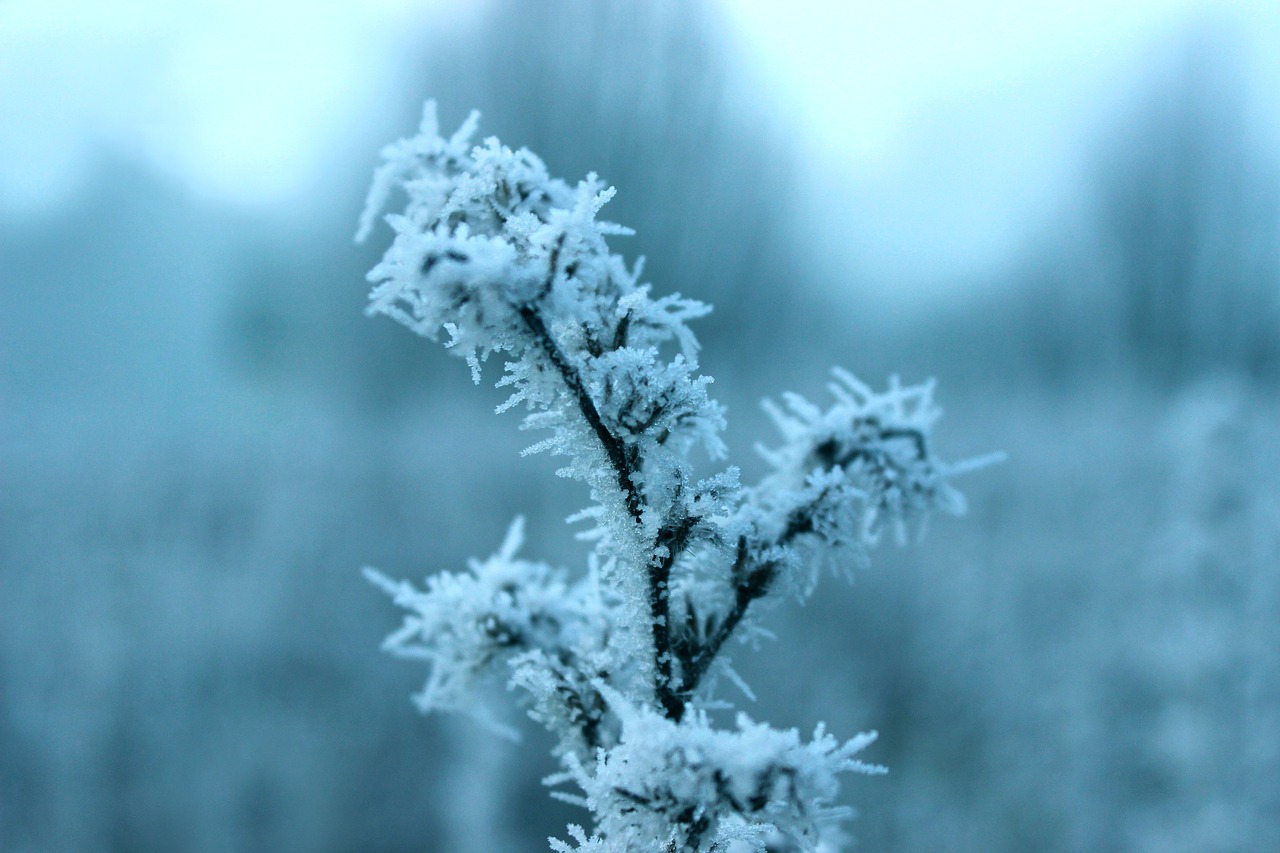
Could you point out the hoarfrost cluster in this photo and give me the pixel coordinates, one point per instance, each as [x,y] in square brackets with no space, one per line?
[496,257]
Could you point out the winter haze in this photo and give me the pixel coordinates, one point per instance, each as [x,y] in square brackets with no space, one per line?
[1068,214]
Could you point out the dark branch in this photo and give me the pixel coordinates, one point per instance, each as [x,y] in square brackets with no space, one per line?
[619,458]
[672,537]
[624,460]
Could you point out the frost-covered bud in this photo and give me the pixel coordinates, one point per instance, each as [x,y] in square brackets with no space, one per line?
[472,625]
[501,257]
[862,464]
[645,399]
[485,231]
[685,786]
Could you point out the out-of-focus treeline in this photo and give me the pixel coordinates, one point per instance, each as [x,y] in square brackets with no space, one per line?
[202,440]
[1172,263]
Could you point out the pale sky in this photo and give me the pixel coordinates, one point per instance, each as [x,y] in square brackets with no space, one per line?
[975,107]
[863,70]
[956,128]
[237,99]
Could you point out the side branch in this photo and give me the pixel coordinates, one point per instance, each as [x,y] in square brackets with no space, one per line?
[751,581]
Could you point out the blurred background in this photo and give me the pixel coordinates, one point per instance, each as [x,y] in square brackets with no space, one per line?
[1069,213]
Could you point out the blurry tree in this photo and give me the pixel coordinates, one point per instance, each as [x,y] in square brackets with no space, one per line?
[1189,209]
[1175,267]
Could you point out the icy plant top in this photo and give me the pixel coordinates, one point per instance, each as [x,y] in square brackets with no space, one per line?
[496,256]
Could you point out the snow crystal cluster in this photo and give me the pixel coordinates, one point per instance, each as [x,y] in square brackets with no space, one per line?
[498,257]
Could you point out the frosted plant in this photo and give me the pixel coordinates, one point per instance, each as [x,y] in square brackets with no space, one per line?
[498,257]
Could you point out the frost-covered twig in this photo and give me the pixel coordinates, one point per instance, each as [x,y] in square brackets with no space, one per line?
[501,258]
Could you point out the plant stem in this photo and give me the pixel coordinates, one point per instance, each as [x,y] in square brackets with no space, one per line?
[672,537]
